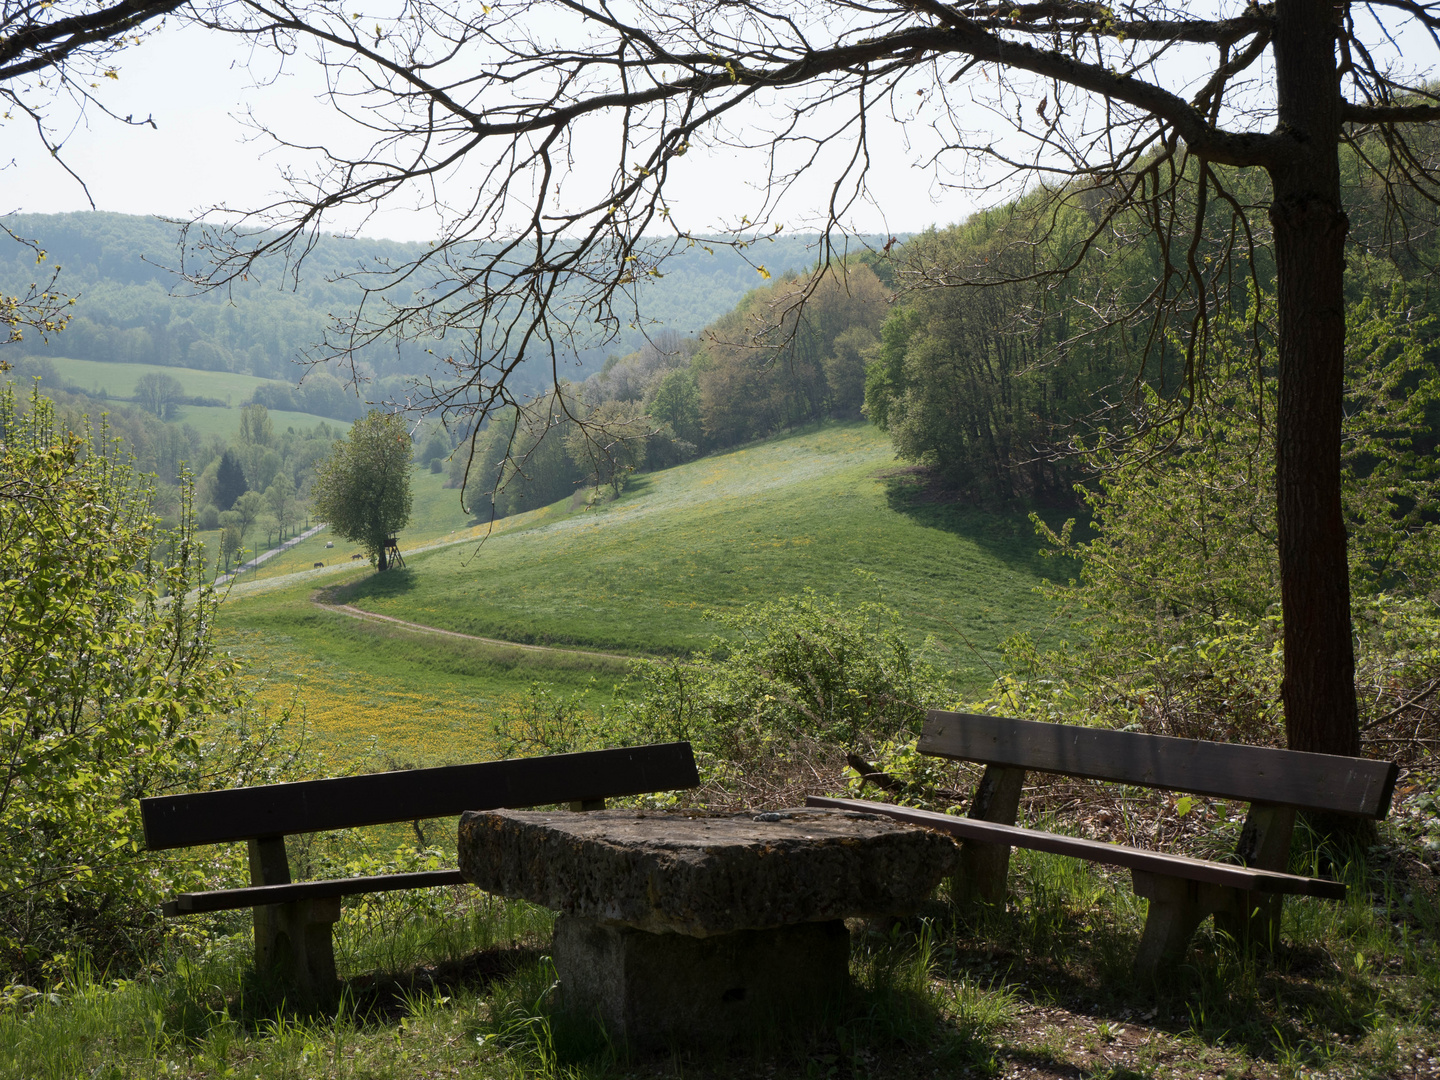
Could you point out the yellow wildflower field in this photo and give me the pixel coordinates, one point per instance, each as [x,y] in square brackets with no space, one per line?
[375,696]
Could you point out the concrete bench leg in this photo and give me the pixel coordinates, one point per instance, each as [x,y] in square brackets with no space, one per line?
[293,941]
[648,988]
[985,868]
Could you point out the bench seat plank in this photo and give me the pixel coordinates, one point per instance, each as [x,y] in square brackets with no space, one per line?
[1220,770]
[347,802]
[255,895]
[1179,866]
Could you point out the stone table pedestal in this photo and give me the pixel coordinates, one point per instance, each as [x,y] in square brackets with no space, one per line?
[685,925]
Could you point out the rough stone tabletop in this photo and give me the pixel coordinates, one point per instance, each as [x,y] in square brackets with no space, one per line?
[701,873]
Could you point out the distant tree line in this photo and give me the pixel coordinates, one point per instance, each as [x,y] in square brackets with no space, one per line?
[986,374]
[792,352]
[257,481]
[996,378]
[133,308]
[261,480]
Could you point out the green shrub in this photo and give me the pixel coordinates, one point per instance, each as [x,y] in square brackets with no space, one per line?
[111,689]
[800,668]
[1178,598]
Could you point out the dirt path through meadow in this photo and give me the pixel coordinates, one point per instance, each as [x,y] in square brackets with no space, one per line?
[321,600]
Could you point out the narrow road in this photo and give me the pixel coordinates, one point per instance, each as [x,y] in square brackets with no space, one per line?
[420,628]
[258,559]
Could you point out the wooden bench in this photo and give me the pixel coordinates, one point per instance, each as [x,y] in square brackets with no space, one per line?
[1244,896]
[293,920]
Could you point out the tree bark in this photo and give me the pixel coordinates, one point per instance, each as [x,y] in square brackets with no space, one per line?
[1310,228]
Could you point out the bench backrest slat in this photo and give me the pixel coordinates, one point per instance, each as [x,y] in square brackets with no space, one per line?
[1222,770]
[213,817]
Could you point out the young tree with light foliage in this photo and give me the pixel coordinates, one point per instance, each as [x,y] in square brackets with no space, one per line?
[159,394]
[110,690]
[280,498]
[363,489]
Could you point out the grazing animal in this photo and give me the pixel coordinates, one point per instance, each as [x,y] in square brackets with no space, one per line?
[318,565]
[357,555]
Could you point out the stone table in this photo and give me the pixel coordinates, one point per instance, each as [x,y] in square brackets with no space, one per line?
[693,923]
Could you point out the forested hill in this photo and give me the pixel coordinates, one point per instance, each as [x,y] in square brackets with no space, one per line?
[129,311]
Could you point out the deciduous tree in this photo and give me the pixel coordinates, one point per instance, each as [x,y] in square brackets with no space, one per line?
[256,427]
[247,508]
[363,489]
[159,393]
[280,498]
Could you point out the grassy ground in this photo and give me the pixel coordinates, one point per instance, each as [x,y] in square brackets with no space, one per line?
[454,984]
[810,510]
[378,695]
[635,576]
[386,697]
[450,983]
[118,381]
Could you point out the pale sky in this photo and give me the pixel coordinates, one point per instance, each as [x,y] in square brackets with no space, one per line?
[201,154]
[197,88]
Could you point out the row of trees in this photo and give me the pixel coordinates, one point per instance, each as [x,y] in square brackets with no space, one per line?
[137,310]
[792,352]
[1177,606]
[995,384]
[260,479]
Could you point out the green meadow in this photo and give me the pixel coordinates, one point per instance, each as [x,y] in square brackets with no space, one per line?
[117,381]
[389,697]
[818,509]
[823,509]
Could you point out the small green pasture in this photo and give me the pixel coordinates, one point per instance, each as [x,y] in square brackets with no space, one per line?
[215,420]
[117,381]
[815,509]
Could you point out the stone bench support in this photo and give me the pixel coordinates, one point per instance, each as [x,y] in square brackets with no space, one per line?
[646,987]
[698,926]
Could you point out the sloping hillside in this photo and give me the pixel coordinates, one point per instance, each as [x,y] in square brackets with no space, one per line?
[808,510]
[821,508]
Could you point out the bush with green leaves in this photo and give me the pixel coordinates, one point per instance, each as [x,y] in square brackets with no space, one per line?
[111,689]
[1177,599]
[796,669]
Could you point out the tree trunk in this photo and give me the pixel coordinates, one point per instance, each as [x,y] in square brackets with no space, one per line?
[1310,229]
[382,563]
